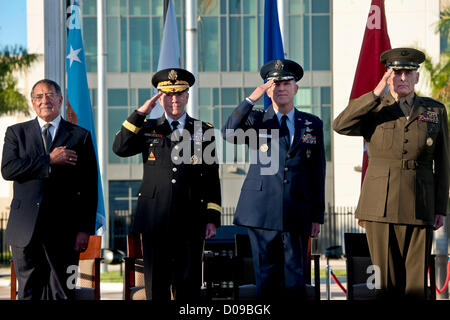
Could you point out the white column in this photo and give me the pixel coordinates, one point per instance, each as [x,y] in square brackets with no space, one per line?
[55,42]
[191,54]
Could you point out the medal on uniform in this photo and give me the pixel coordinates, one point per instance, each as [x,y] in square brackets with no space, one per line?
[429,116]
[151,156]
[308,138]
[308,153]
[264,147]
[429,141]
[194,159]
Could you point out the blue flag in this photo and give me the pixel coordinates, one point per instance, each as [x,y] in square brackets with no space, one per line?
[273,44]
[169,54]
[79,101]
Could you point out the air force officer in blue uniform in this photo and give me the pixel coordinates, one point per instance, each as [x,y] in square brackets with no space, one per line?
[282,206]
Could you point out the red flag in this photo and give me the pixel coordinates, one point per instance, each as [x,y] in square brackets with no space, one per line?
[370,70]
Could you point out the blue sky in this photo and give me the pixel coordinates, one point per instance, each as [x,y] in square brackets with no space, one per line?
[13,23]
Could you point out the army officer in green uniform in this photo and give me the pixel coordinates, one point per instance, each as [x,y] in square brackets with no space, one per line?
[179,201]
[405,191]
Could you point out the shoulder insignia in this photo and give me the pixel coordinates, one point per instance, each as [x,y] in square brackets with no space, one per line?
[435,102]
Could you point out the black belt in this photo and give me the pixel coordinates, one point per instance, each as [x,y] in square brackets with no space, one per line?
[404,164]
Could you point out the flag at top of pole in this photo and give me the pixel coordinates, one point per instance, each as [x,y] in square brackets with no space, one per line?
[79,109]
[169,54]
[273,43]
[370,70]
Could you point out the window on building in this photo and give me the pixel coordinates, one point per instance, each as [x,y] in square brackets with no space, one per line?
[231,34]
[315,100]
[133,34]
[122,204]
[121,103]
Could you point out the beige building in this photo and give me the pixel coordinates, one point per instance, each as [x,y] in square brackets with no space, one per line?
[323,35]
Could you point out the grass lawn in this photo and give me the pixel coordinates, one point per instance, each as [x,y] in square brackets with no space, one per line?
[114,276]
[111,276]
[337,273]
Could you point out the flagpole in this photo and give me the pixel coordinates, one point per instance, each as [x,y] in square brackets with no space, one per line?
[166,5]
[191,54]
[101,109]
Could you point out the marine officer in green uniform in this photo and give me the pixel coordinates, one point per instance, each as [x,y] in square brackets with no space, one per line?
[179,201]
[405,191]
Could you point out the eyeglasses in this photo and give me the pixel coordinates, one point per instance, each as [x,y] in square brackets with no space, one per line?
[49,95]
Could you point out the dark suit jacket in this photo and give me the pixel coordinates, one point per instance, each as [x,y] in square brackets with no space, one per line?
[292,197]
[174,199]
[407,179]
[64,198]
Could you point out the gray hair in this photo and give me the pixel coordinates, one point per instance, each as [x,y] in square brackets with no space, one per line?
[49,83]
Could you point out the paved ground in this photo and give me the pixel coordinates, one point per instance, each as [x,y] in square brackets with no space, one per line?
[113,291]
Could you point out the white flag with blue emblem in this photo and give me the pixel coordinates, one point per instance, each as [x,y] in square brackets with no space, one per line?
[79,109]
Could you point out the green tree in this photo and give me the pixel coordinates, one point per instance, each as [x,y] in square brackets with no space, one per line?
[439,74]
[11,60]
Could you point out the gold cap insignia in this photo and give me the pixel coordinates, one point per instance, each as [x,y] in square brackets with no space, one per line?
[173,75]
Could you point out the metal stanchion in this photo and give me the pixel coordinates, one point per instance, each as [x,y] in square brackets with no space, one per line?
[328,284]
[333,252]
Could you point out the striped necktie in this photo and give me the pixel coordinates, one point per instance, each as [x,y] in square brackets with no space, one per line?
[47,137]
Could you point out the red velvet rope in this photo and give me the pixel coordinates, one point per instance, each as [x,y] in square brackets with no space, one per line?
[446,280]
[337,281]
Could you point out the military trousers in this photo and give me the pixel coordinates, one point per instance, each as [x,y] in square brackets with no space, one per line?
[172,268]
[279,260]
[401,253]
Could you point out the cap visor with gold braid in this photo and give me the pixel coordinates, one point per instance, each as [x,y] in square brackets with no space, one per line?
[174,80]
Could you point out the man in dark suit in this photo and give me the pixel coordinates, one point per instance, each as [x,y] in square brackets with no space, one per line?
[282,200]
[53,165]
[179,198]
[405,191]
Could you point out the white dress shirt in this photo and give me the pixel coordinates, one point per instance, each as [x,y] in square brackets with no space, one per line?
[53,128]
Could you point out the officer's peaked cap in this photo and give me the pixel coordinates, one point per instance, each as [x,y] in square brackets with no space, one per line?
[281,70]
[402,58]
[173,80]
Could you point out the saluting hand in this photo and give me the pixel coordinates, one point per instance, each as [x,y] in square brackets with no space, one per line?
[378,91]
[148,105]
[260,90]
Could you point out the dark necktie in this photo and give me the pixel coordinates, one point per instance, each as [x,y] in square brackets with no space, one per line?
[284,131]
[175,132]
[47,137]
[175,125]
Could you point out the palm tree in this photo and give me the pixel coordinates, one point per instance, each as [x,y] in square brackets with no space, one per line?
[11,60]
